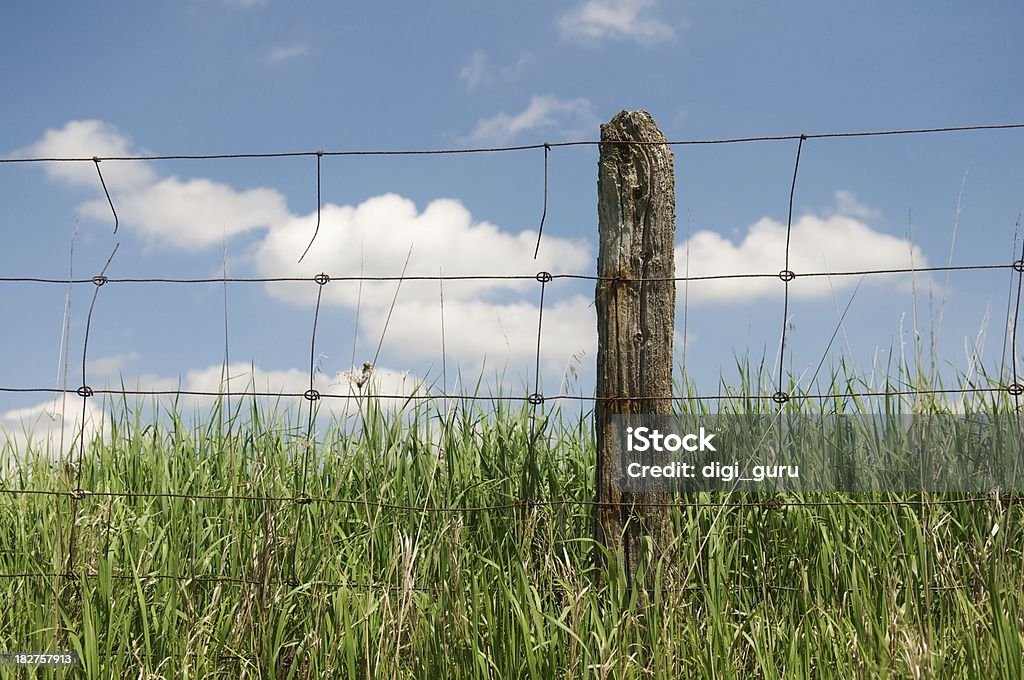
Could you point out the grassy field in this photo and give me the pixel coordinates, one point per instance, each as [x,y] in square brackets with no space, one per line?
[229,549]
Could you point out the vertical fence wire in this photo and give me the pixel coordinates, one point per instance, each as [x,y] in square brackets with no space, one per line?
[86,392]
[544,211]
[1015,389]
[316,230]
[106,193]
[781,395]
[536,399]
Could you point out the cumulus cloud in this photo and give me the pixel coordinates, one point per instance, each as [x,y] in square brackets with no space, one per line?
[243,377]
[375,237]
[191,214]
[240,379]
[614,19]
[85,139]
[478,333]
[544,114]
[391,384]
[187,214]
[818,244]
[494,317]
[52,428]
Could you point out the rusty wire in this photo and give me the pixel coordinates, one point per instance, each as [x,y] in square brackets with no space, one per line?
[187,580]
[520,147]
[508,277]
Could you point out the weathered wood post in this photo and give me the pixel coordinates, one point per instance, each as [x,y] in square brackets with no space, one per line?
[635,301]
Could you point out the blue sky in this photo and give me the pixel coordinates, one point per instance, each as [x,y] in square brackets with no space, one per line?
[226,76]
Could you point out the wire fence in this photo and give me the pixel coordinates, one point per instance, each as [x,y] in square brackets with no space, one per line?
[1014,264]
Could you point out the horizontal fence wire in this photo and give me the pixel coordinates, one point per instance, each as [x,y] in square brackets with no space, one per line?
[774,502]
[520,147]
[530,398]
[79,496]
[516,277]
[187,579]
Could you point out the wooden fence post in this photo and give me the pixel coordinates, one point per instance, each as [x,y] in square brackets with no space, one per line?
[635,319]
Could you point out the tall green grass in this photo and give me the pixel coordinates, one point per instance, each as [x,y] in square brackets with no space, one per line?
[230,546]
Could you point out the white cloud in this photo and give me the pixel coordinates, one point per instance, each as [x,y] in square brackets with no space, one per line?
[51,428]
[187,214]
[478,70]
[376,380]
[493,317]
[286,53]
[817,244]
[245,379]
[478,332]
[614,19]
[847,204]
[390,383]
[191,214]
[482,318]
[86,139]
[375,237]
[544,113]
[113,365]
